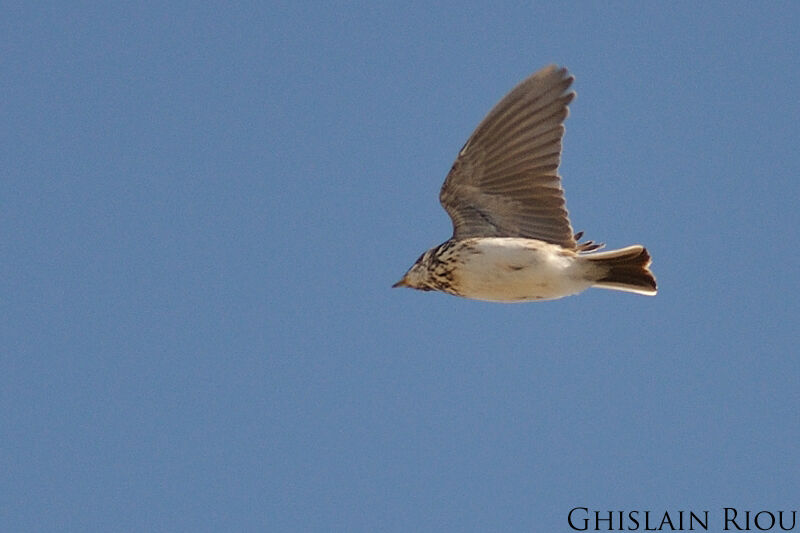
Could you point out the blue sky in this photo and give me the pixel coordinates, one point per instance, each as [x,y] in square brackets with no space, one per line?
[203,208]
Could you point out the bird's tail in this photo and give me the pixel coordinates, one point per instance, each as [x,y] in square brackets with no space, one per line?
[625,269]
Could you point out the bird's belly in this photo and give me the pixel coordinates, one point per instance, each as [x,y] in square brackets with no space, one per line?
[509,271]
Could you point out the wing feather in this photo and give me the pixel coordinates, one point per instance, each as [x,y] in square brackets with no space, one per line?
[505,181]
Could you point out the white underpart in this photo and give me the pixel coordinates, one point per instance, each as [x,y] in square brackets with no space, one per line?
[519,270]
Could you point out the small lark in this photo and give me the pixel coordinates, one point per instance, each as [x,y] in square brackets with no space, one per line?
[512,240]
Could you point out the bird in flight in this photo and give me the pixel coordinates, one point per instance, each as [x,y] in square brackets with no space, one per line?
[512,240]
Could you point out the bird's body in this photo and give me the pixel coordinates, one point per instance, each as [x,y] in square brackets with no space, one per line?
[512,239]
[503,269]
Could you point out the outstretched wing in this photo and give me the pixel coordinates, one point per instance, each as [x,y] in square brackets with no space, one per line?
[505,181]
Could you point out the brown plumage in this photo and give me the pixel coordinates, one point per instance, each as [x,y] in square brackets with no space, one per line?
[512,238]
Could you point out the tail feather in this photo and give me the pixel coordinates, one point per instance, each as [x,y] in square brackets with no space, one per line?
[625,269]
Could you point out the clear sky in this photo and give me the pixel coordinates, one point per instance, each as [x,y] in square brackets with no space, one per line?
[202,210]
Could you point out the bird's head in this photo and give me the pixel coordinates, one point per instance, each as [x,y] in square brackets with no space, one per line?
[419,275]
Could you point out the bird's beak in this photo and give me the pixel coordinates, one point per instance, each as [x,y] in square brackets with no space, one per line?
[401,283]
